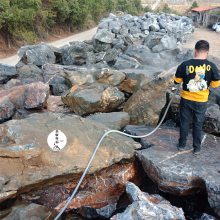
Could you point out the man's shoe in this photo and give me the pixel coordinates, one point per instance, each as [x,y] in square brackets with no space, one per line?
[196,151]
[181,148]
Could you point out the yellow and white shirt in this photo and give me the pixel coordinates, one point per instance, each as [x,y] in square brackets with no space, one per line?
[197,76]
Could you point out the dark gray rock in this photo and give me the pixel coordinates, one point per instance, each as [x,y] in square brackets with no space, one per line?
[111,56]
[207,217]
[181,173]
[153,39]
[76,53]
[166,43]
[38,54]
[101,46]
[11,83]
[104,36]
[73,74]
[7,73]
[212,119]
[145,206]
[113,120]
[104,212]
[29,73]
[126,62]
[59,85]
[93,98]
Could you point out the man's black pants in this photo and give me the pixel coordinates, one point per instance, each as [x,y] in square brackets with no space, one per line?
[195,111]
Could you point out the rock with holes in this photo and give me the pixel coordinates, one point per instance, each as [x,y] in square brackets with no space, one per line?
[93,98]
[113,120]
[181,173]
[35,170]
[6,73]
[145,206]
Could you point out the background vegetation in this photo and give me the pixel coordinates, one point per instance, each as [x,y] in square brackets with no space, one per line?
[29,20]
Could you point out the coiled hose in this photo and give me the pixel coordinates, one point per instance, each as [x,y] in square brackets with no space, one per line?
[98,145]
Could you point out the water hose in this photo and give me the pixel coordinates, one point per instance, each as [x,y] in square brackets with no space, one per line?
[98,145]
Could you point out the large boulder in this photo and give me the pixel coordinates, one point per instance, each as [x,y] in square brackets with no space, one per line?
[29,73]
[29,96]
[181,173]
[145,206]
[212,119]
[166,43]
[110,77]
[76,54]
[73,74]
[142,107]
[38,54]
[113,120]
[93,98]
[126,62]
[104,36]
[7,73]
[28,165]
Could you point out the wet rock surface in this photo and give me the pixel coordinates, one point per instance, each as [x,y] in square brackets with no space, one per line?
[181,173]
[145,206]
[26,159]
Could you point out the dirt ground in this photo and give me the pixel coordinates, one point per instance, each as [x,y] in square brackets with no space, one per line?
[206,34]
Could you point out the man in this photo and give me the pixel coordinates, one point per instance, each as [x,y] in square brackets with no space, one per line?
[196,76]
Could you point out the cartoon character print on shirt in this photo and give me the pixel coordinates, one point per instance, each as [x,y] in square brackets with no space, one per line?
[198,83]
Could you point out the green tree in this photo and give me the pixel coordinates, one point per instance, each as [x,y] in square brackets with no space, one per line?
[166,8]
[194,5]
